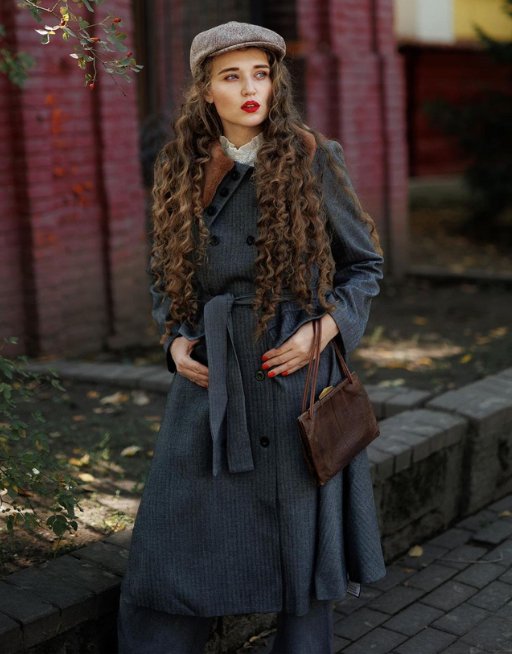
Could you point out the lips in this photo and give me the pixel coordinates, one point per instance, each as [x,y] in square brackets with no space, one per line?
[250,106]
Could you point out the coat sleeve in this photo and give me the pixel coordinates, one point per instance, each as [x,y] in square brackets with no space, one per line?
[358,268]
[159,311]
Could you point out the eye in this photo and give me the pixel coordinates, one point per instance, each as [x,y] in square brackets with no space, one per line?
[261,74]
[231,76]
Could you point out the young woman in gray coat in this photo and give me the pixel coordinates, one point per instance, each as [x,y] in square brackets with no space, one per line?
[257,232]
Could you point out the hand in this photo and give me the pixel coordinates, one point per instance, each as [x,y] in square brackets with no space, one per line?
[294,352]
[186,366]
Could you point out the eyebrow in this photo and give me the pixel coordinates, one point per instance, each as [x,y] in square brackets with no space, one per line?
[233,68]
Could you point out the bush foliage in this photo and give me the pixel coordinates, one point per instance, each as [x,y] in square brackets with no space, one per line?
[28,469]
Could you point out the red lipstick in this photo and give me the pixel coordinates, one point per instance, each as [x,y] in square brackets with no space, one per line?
[250,106]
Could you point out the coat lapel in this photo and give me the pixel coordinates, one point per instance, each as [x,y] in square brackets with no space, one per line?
[220,164]
[214,171]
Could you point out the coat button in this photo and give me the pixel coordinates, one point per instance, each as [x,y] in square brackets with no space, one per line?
[211,210]
[235,175]
[250,240]
[260,375]
[224,192]
[264,441]
[214,240]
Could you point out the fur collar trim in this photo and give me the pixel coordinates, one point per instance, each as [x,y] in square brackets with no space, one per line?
[219,164]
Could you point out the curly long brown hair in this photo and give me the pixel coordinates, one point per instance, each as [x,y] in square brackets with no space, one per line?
[292,237]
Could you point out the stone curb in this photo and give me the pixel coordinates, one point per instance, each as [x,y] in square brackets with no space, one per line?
[456,450]
[385,401]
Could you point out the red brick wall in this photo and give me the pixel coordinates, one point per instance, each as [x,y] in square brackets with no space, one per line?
[12,310]
[355,93]
[75,243]
[456,75]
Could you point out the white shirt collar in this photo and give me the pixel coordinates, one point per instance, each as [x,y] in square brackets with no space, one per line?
[246,153]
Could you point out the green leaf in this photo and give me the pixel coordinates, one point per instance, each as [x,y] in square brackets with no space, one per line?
[58,524]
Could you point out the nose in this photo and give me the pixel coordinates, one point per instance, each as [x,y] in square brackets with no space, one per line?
[248,86]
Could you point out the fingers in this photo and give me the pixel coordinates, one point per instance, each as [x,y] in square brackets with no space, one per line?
[186,366]
[200,380]
[198,376]
[288,358]
[287,367]
[193,370]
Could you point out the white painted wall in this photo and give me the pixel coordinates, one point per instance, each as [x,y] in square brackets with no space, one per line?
[428,21]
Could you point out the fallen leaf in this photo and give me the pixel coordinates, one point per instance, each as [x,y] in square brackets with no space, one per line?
[93,394]
[140,398]
[505,514]
[499,332]
[149,453]
[466,358]
[115,398]
[131,450]
[82,461]
[415,551]
[78,418]
[86,476]
[155,426]
[419,320]
[24,492]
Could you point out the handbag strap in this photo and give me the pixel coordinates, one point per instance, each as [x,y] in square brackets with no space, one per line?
[312,353]
[313,366]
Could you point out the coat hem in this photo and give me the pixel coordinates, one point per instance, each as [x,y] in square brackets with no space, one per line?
[250,609]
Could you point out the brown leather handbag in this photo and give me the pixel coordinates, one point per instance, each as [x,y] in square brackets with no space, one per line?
[338,425]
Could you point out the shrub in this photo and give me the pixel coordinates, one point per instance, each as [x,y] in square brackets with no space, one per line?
[30,475]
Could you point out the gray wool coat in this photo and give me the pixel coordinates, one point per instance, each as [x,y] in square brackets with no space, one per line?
[230,519]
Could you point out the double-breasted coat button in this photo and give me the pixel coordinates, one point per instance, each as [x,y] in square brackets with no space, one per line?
[260,375]
[211,210]
[235,175]
[224,192]
[264,441]
[250,240]
[214,240]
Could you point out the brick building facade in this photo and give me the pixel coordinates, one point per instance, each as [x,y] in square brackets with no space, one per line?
[73,232]
[457,74]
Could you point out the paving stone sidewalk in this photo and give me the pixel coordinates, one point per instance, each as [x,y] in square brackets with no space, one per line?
[455,598]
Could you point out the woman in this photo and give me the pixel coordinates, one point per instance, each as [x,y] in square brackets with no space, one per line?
[257,232]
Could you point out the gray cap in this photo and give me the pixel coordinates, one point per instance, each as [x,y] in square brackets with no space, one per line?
[232,36]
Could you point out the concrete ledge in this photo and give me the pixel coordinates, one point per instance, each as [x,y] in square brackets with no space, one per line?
[431,466]
[410,437]
[386,402]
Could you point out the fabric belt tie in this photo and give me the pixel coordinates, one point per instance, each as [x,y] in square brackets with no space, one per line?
[228,418]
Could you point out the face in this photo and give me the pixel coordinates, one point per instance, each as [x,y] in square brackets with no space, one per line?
[240,88]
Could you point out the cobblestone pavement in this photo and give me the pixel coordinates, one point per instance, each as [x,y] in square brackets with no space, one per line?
[455,598]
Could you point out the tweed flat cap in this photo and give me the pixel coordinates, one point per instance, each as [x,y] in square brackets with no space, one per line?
[232,36]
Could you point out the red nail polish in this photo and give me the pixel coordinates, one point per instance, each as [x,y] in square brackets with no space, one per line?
[265,366]
[271,373]
[285,373]
[264,357]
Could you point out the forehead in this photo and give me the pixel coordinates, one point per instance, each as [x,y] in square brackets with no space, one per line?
[243,57]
